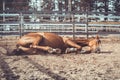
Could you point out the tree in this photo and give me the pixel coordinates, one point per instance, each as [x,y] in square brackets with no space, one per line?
[20,4]
[86,5]
[117,6]
[7,4]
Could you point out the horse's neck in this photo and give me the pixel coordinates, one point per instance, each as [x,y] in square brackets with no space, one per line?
[82,42]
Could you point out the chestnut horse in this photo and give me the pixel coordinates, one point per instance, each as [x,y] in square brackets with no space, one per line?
[53,43]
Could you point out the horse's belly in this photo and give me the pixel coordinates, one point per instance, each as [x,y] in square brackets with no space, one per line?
[52,40]
[52,43]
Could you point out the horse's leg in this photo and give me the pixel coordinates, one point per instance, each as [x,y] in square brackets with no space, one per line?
[24,49]
[38,39]
[49,49]
[35,46]
[72,44]
[21,49]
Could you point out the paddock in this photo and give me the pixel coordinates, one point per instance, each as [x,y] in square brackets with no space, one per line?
[105,65]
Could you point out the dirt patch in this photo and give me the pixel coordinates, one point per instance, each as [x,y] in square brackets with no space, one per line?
[103,66]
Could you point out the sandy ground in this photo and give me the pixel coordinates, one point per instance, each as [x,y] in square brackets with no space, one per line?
[103,66]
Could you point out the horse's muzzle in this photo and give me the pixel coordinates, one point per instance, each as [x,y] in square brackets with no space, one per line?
[97,50]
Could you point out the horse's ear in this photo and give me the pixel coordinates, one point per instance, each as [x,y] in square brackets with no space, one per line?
[97,37]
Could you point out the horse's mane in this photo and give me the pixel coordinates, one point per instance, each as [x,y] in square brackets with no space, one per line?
[83,39]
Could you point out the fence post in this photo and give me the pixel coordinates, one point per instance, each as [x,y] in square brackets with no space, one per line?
[73,25]
[3,10]
[21,25]
[86,27]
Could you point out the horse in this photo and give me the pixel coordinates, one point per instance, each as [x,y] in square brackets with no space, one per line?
[53,43]
[93,43]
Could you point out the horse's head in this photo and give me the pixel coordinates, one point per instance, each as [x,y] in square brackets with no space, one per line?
[94,44]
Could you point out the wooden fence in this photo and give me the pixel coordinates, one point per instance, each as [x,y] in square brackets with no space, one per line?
[63,24]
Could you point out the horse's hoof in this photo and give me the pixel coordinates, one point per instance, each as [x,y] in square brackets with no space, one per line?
[50,50]
[68,50]
[34,52]
[97,51]
[33,46]
[82,51]
[58,51]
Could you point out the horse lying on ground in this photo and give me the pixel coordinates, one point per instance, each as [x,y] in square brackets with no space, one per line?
[53,43]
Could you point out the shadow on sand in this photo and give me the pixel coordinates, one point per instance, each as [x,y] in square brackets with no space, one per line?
[106,52]
[45,70]
[8,73]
